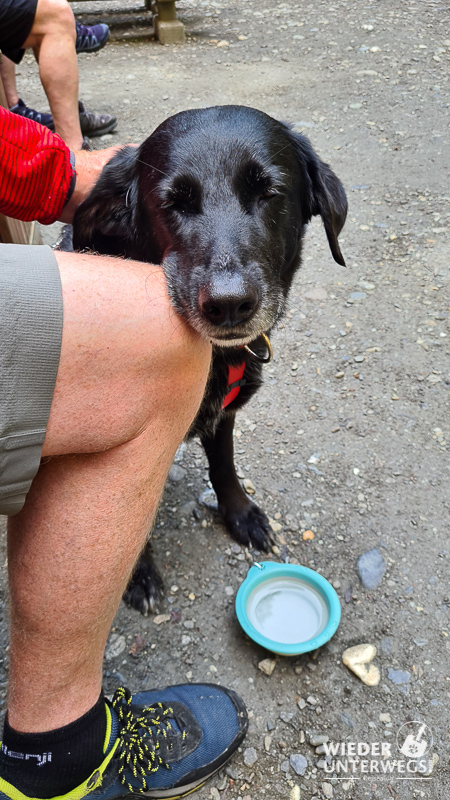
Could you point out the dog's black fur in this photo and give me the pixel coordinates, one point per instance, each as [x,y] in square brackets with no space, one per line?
[220,197]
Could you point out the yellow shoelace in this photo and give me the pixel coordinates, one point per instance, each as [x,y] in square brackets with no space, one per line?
[139,734]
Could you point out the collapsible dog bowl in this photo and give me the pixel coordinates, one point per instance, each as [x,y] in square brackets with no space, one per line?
[286,608]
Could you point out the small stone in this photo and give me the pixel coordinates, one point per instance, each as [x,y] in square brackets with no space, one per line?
[386,645]
[187,509]
[176,473]
[267,665]
[316,294]
[208,498]
[188,624]
[267,743]
[327,790]
[385,718]
[371,568]
[250,756]
[298,763]
[160,618]
[284,766]
[214,793]
[270,725]
[301,737]
[232,772]
[357,296]
[248,486]
[276,527]
[312,700]
[355,106]
[359,359]
[116,645]
[185,640]
[295,793]
[358,659]
[398,676]
[229,591]
[301,704]
[286,716]
[307,536]
[317,739]
[366,285]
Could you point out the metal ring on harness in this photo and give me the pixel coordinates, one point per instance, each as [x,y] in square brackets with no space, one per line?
[269,357]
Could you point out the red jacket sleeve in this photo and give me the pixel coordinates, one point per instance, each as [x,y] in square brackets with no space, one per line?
[35,170]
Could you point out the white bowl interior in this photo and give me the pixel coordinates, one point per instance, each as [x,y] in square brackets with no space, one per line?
[287,610]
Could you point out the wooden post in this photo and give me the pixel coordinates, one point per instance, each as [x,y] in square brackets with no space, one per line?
[168,29]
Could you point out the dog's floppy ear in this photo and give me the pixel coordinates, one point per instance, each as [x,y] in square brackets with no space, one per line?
[107,214]
[325,194]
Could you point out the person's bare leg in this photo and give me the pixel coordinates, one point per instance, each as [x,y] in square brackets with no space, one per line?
[52,39]
[131,378]
[8,76]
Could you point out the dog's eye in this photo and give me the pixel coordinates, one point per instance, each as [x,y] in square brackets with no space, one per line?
[267,194]
[184,196]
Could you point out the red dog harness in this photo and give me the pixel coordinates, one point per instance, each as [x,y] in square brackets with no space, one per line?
[235,381]
[236,374]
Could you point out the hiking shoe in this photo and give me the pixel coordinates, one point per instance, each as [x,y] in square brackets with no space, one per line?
[91,38]
[30,113]
[163,743]
[94,124]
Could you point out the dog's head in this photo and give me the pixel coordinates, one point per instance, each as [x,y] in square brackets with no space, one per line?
[219,196]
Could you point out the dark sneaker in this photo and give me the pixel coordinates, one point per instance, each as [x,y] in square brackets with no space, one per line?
[162,744]
[93,124]
[91,38]
[30,113]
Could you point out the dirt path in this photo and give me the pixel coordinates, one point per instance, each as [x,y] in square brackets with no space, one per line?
[350,435]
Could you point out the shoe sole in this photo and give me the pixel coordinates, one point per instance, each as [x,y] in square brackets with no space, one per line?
[110,126]
[97,48]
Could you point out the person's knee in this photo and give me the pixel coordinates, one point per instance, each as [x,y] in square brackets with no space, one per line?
[54,17]
[187,363]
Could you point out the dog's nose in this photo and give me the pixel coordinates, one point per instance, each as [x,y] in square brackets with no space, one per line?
[228,302]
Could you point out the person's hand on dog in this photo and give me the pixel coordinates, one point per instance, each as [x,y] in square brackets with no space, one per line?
[88,167]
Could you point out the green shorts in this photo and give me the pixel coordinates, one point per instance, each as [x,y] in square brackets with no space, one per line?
[31,316]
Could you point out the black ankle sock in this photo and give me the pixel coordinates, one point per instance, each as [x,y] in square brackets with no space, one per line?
[53,763]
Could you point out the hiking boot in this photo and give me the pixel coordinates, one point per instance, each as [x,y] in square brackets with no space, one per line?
[91,38]
[163,743]
[93,124]
[30,113]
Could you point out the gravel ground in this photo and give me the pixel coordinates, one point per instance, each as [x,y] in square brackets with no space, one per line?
[349,436]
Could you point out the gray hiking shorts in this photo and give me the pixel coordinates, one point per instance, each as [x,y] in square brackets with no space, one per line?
[30,343]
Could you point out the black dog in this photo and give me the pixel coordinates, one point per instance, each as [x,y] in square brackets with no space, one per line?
[220,197]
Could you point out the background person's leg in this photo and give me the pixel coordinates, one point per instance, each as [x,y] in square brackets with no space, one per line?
[52,39]
[130,381]
[8,76]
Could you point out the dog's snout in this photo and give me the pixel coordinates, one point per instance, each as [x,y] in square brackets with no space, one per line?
[228,301]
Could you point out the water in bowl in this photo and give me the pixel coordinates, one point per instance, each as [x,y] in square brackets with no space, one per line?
[287,610]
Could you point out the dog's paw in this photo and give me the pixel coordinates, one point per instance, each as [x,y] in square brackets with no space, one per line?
[145,588]
[250,527]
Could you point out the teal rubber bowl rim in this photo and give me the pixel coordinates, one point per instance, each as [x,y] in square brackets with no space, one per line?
[270,569]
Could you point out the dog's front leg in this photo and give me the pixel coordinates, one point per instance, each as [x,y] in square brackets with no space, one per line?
[244,520]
